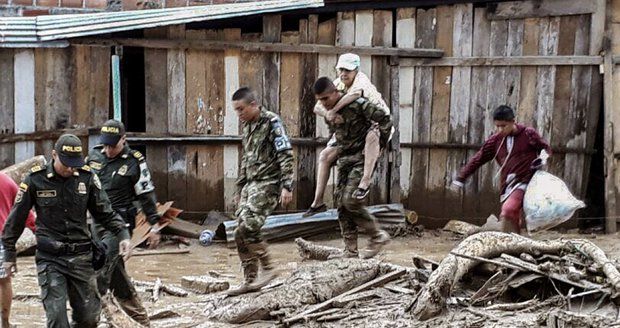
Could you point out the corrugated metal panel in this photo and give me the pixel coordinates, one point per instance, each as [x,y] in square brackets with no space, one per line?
[16,30]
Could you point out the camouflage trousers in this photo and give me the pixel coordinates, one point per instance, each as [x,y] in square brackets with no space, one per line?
[352,213]
[72,277]
[258,200]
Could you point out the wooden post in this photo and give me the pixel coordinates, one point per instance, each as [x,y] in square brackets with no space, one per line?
[610,188]
[24,71]
[394,158]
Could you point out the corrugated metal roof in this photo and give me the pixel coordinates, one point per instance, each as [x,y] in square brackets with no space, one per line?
[27,31]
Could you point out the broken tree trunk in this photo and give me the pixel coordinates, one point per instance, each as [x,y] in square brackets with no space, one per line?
[432,299]
[18,171]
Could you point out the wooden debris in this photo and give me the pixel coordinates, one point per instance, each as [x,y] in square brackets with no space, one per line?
[362,296]
[511,306]
[142,229]
[184,228]
[27,296]
[373,283]
[484,290]
[320,314]
[311,251]
[166,288]
[420,262]
[461,228]
[156,289]
[204,284]
[160,252]
[163,314]
[557,318]
[398,289]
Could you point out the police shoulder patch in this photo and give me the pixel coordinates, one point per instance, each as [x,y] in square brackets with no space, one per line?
[86,168]
[138,155]
[36,168]
[23,187]
[96,181]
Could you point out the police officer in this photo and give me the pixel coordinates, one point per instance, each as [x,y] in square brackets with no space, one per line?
[350,134]
[125,178]
[61,193]
[266,176]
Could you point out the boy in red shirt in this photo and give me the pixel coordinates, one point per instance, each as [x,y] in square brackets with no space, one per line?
[8,192]
[516,148]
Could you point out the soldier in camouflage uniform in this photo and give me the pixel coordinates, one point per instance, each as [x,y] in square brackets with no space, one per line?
[125,178]
[61,193]
[350,135]
[266,176]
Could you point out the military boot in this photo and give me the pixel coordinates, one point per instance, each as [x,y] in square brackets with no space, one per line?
[250,270]
[376,244]
[350,249]
[134,309]
[268,273]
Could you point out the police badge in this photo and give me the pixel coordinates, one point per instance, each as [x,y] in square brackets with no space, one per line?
[122,170]
[82,188]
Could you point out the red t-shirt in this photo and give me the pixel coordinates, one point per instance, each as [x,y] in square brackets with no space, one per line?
[8,191]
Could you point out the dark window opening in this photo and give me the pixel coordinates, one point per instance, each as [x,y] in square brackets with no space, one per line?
[132,89]
[593,215]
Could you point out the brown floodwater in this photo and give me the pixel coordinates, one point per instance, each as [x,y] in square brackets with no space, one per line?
[221,259]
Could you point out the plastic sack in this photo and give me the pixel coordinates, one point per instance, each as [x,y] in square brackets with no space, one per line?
[548,202]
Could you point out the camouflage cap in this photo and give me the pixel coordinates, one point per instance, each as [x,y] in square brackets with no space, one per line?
[111,132]
[69,150]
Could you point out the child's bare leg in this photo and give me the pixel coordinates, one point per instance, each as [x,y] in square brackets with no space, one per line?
[327,157]
[371,154]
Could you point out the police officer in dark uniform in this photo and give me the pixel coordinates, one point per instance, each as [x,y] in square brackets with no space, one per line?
[125,178]
[62,192]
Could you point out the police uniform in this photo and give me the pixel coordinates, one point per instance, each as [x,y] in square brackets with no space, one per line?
[125,178]
[64,255]
[266,168]
[358,118]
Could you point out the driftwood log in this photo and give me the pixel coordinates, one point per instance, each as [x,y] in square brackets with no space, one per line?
[489,245]
[310,284]
[18,171]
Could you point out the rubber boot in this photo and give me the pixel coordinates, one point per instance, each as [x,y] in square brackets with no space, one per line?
[376,244]
[350,249]
[250,269]
[134,309]
[268,273]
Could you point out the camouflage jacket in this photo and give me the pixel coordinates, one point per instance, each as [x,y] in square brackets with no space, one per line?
[61,205]
[125,178]
[267,152]
[358,118]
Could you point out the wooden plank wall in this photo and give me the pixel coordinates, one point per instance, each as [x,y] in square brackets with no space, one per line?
[454,104]
[51,89]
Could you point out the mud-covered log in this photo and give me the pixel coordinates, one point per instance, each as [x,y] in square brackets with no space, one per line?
[18,171]
[311,251]
[485,244]
[492,244]
[26,241]
[563,318]
[310,284]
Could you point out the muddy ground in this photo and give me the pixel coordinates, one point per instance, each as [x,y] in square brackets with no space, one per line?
[170,268]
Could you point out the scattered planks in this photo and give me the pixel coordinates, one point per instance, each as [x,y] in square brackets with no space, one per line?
[166,288]
[141,231]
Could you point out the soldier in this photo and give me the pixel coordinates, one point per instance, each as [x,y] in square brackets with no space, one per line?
[266,174]
[125,178]
[350,134]
[61,193]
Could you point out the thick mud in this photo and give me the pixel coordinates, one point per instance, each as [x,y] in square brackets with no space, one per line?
[28,311]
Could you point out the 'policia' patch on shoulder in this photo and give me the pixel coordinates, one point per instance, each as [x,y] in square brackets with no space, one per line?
[95,165]
[46,193]
[23,187]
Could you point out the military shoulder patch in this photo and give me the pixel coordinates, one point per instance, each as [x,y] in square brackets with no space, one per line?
[36,168]
[23,187]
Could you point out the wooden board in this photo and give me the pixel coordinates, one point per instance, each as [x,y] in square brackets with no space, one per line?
[381,36]
[473,197]
[548,45]
[440,113]
[422,104]
[272,27]
[52,93]
[539,8]
[290,96]
[24,100]
[231,121]
[462,43]
[306,176]
[364,36]
[7,114]
[527,95]
[177,166]
[156,110]
[405,37]
[560,117]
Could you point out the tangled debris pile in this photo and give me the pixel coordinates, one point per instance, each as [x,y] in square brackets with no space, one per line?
[490,279]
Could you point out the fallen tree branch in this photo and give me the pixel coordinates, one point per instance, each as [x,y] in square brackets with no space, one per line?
[511,306]
[160,252]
